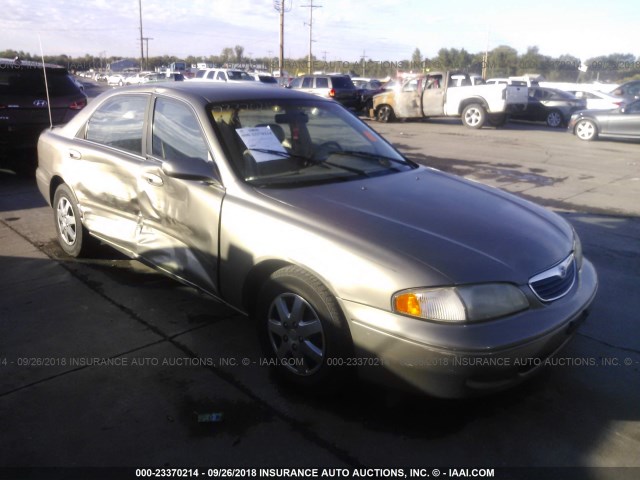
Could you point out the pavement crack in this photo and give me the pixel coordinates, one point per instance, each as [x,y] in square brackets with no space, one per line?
[78,369]
[610,345]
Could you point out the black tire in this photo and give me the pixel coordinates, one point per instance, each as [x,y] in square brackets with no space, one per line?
[385,114]
[72,236]
[303,330]
[497,120]
[586,130]
[474,115]
[555,119]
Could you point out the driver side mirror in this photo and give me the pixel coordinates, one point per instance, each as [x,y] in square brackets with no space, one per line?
[190,169]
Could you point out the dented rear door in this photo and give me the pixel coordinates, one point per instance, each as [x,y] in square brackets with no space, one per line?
[103,169]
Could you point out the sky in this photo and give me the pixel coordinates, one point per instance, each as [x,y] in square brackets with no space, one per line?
[343,30]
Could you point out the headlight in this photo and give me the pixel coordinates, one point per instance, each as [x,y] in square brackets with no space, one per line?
[471,303]
[577,250]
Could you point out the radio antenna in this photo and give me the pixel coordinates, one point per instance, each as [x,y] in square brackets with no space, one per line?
[46,84]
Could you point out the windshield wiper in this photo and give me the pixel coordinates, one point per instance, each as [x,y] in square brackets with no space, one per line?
[279,153]
[373,156]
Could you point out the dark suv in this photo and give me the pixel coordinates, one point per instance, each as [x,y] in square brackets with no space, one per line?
[338,87]
[24,111]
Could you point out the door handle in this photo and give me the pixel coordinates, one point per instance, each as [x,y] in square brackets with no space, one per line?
[153,179]
[76,155]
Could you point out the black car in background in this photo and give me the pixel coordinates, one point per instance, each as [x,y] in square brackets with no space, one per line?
[623,122]
[24,111]
[629,91]
[551,106]
[367,88]
[336,87]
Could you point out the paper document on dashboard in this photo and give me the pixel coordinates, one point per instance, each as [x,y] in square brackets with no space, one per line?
[262,143]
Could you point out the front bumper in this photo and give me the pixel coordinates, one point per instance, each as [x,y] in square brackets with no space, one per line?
[455,361]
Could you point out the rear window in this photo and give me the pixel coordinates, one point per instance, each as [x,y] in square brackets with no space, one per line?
[267,79]
[30,81]
[342,82]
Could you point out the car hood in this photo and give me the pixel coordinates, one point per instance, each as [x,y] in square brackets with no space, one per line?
[459,231]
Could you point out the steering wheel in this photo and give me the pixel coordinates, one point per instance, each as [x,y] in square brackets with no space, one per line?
[324,150]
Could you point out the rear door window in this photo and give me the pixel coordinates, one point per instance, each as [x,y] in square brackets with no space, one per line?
[322,82]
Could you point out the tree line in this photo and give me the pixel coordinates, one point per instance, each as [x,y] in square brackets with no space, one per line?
[502,61]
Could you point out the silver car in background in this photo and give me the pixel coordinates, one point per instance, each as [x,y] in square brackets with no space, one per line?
[350,257]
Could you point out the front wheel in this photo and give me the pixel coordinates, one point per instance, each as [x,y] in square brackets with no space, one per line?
[302,329]
[385,114]
[586,130]
[474,115]
[554,119]
[72,236]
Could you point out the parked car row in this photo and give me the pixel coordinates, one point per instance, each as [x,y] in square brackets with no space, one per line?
[552,106]
[588,112]
[120,79]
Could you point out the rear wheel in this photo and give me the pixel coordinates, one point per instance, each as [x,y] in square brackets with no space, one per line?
[586,130]
[474,115]
[554,119]
[302,329]
[385,114]
[497,120]
[72,236]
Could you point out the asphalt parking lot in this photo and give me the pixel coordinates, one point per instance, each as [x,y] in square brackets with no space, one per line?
[105,363]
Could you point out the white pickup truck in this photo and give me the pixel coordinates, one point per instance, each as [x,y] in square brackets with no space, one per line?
[450,94]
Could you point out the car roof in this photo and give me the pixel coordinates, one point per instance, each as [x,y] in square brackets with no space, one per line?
[212,92]
[7,63]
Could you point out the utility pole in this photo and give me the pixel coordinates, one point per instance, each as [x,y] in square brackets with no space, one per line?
[363,62]
[279,5]
[311,6]
[103,54]
[146,40]
[485,59]
[141,37]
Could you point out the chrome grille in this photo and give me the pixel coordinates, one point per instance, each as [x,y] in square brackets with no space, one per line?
[556,282]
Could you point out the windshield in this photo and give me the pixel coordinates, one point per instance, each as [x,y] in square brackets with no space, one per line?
[290,143]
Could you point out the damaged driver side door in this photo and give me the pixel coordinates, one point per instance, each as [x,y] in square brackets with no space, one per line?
[180,197]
